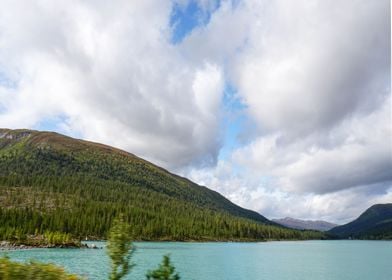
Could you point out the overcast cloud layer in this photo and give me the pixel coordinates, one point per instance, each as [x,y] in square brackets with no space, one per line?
[313,78]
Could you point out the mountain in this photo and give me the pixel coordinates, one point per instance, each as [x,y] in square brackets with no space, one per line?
[374,223]
[304,224]
[51,182]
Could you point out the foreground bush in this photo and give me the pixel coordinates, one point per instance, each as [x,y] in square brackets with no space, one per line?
[165,271]
[120,249]
[10,270]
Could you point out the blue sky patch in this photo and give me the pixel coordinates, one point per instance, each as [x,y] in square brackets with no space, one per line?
[55,123]
[51,124]
[233,122]
[185,18]
[6,82]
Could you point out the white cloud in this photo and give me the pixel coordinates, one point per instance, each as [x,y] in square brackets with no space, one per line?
[354,153]
[314,76]
[114,76]
[256,193]
[224,35]
[309,64]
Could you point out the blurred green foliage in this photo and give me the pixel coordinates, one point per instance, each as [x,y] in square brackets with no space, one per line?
[165,271]
[120,249]
[10,270]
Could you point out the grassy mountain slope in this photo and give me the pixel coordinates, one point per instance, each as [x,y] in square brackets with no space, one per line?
[52,182]
[374,223]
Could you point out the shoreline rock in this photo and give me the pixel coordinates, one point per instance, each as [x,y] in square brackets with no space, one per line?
[9,246]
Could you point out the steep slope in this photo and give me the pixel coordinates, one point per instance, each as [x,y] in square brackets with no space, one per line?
[305,224]
[374,223]
[53,182]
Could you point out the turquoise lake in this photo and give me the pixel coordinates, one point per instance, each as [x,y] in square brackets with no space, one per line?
[291,260]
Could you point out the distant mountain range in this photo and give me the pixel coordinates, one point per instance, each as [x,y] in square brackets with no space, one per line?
[51,182]
[374,223]
[305,224]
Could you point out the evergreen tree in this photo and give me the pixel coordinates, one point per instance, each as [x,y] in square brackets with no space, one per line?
[165,271]
[57,184]
[120,249]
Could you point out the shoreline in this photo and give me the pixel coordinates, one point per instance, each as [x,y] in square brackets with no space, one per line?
[11,246]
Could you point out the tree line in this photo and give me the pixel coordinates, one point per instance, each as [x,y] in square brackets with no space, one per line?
[80,190]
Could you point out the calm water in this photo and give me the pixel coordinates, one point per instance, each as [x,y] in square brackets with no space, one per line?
[313,260]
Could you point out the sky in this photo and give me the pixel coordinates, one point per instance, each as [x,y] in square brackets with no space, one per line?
[284,107]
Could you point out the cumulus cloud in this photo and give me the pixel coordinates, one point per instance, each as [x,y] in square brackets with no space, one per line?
[312,76]
[250,191]
[355,153]
[112,74]
[222,38]
[309,64]
[315,79]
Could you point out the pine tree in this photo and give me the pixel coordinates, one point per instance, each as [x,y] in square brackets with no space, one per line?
[165,271]
[120,249]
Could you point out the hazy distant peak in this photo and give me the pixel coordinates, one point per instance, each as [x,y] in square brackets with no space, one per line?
[305,224]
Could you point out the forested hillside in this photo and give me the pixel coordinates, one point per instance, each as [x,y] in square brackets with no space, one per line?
[374,223]
[52,182]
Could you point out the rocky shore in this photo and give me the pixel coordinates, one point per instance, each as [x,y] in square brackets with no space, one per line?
[7,245]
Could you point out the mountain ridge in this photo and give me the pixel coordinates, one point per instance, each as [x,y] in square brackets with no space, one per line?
[50,138]
[374,223]
[58,180]
[305,224]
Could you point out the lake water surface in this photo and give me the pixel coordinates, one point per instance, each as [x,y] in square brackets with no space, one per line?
[291,260]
